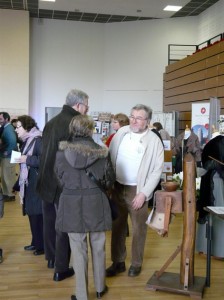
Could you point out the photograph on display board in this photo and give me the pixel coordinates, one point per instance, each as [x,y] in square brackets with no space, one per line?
[200,121]
[221,124]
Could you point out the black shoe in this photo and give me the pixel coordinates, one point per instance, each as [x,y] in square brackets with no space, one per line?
[38,252]
[30,248]
[58,276]
[134,271]
[115,268]
[73,297]
[9,198]
[100,294]
[50,264]
[1,256]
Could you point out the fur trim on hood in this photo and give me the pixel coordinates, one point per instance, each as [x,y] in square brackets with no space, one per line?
[82,152]
[85,147]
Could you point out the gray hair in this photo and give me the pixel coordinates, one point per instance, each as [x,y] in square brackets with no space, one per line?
[146,108]
[76,96]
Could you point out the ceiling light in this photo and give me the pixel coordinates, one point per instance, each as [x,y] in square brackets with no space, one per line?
[48,0]
[172,8]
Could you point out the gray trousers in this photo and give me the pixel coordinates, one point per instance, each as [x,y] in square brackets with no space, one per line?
[123,196]
[8,176]
[79,249]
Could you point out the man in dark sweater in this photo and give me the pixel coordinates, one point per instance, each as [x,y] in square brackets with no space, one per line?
[8,143]
[57,249]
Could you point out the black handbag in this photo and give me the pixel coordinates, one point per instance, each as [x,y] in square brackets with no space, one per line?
[113,206]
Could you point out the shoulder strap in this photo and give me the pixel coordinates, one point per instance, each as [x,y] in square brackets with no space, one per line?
[92,177]
[30,145]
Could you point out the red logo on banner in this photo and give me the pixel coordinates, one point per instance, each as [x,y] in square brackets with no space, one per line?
[203,110]
[207,126]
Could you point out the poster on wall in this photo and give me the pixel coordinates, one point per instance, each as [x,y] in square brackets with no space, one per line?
[167,120]
[200,121]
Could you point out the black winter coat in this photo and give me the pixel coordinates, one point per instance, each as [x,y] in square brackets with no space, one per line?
[214,148]
[32,200]
[56,130]
[83,207]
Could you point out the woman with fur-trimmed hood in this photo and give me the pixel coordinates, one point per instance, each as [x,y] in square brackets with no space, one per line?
[83,207]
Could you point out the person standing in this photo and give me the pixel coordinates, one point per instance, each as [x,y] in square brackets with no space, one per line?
[1,216]
[137,156]
[30,135]
[8,170]
[56,243]
[84,212]
[211,194]
[163,133]
[118,121]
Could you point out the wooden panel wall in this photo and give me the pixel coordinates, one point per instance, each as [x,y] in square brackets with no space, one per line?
[193,79]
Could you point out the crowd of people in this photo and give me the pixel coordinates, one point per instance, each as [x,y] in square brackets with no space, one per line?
[66,183]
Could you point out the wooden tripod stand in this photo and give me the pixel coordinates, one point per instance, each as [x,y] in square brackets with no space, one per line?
[185,282]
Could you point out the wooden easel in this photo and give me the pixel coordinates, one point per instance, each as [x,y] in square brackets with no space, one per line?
[185,282]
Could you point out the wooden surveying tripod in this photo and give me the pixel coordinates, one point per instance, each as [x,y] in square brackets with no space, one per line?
[185,282]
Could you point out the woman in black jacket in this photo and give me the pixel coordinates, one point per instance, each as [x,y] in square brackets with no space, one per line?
[30,136]
[211,194]
[81,166]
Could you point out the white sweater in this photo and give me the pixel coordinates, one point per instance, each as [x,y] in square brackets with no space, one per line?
[151,166]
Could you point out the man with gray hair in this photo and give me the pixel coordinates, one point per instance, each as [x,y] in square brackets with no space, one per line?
[56,243]
[137,156]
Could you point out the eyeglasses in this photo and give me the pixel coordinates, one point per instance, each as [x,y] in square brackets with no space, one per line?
[18,126]
[87,106]
[137,119]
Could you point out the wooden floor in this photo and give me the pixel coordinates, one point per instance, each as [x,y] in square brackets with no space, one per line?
[24,276]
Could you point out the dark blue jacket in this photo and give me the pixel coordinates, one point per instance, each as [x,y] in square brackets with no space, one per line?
[32,200]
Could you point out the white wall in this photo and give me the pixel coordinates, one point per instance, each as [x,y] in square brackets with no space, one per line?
[118,64]
[136,54]
[211,22]
[14,61]
[64,55]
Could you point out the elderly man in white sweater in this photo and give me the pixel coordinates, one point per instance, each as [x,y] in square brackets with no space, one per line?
[137,155]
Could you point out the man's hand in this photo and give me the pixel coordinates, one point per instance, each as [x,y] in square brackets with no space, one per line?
[138,201]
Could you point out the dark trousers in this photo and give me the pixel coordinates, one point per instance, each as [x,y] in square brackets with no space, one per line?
[49,216]
[56,243]
[36,227]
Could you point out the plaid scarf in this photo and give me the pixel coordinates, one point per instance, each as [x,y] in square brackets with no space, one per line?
[29,138]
